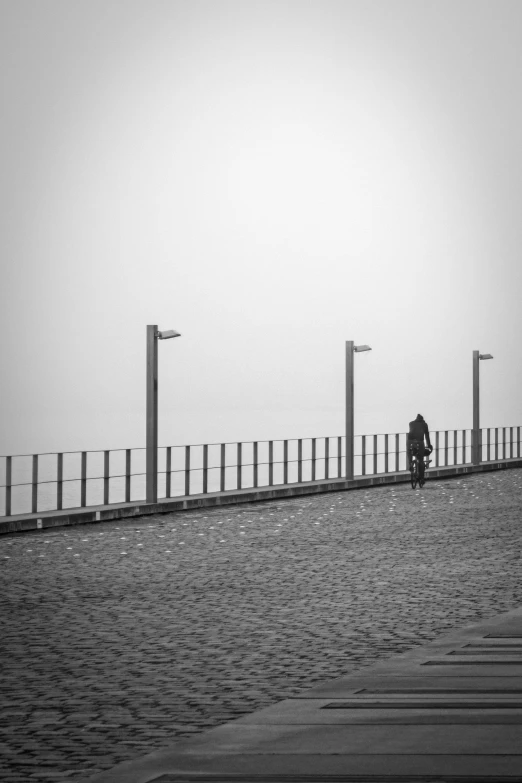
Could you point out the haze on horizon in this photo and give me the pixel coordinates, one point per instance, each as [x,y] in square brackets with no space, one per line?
[270,178]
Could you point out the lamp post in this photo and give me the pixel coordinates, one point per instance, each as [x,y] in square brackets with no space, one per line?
[475,434]
[350,350]
[151,470]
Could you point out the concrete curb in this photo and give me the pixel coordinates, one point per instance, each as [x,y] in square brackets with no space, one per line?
[21,523]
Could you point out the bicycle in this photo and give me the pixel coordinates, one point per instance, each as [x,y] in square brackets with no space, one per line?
[418,469]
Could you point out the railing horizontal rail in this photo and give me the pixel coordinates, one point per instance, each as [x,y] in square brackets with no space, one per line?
[90,478]
[230,443]
[192,445]
[90,451]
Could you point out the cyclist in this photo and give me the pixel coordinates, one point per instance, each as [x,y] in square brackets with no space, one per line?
[419,430]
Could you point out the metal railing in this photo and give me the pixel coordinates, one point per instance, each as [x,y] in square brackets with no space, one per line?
[54,481]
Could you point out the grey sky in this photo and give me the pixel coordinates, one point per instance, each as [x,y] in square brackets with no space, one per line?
[271,179]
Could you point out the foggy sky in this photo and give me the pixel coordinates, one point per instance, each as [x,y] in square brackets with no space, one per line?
[270,179]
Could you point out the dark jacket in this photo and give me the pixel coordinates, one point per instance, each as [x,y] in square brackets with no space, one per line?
[419,430]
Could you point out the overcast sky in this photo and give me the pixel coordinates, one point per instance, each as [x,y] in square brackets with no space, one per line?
[271,178]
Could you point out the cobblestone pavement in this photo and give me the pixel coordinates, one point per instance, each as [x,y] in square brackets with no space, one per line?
[119,637]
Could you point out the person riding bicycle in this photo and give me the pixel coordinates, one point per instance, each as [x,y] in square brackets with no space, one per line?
[419,430]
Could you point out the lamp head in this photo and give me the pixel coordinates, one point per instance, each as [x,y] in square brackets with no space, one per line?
[360,348]
[485,356]
[168,334]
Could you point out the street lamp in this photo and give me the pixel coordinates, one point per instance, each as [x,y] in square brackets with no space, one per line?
[475,434]
[151,470]
[350,350]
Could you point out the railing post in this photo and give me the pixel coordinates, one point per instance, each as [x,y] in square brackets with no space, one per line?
[375,455]
[34,499]
[152,415]
[327,458]
[397,452]
[313,459]
[168,471]
[285,462]
[445,448]
[8,479]
[386,453]
[437,449]
[127,475]
[455,447]
[518,441]
[255,464]
[503,442]
[83,480]
[205,469]
[106,477]
[496,444]
[463,447]
[187,470]
[363,455]
[511,443]
[339,457]
[488,444]
[222,468]
[270,463]
[239,465]
[299,460]
[59,481]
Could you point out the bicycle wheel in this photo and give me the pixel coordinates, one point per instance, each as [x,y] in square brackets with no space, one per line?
[413,474]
